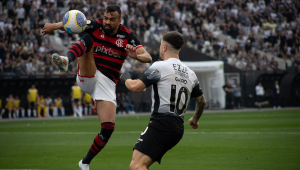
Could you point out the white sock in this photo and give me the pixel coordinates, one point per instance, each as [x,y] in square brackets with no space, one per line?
[34,113]
[85,110]
[80,111]
[23,112]
[90,110]
[47,110]
[17,112]
[75,111]
[63,111]
[9,115]
[29,112]
[54,111]
[2,112]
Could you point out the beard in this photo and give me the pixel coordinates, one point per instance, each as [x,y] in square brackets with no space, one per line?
[109,29]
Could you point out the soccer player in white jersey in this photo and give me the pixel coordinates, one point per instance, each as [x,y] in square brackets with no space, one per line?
[173,85]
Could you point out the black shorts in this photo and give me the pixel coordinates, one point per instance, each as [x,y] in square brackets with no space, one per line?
[76,100]
[155,143]
[32,104]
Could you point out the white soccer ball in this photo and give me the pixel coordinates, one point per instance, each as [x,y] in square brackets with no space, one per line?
[74,22]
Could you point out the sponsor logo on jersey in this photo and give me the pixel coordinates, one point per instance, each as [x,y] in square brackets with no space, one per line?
[89,27]
[139,140]
[120,36]
[181,80]
[185,75]
[133,43]
[152,74]
[107,51]
[119,42]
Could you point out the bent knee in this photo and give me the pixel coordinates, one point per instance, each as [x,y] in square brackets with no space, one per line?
[133,166]
[137,166]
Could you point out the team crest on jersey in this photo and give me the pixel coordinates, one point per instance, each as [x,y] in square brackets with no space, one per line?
[119,42]
[102,36]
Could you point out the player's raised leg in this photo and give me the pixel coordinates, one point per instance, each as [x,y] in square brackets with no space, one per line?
[140,161]
[81,48]
[106,111]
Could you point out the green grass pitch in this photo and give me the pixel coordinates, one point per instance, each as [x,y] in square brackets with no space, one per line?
[268,140]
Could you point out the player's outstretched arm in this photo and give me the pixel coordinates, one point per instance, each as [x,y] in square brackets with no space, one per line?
[200,105]
[50,27]
[132,85]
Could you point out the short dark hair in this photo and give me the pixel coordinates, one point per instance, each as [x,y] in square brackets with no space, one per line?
[174,38]
[113,8]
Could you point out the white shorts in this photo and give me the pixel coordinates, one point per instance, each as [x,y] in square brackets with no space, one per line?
[98,86]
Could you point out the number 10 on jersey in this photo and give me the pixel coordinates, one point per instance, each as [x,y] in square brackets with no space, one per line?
[182,90]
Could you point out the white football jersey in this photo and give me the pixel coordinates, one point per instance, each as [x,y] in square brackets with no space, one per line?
[173,85]
[48,101]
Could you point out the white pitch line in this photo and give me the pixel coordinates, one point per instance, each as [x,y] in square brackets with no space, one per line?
[186,132]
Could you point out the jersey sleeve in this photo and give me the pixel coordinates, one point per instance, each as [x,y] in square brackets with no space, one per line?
[134,41]
[196,92]
[92,25]
[152,75]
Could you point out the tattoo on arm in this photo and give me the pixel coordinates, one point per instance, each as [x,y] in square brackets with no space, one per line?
[200,105]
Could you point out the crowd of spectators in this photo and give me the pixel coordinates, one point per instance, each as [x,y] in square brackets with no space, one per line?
[23,50]
[270,26]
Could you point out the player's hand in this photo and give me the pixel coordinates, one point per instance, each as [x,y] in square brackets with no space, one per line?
[193,123]
[125,76]
[48,29]
[131,51]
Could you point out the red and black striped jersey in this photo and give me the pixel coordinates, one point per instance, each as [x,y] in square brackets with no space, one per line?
[109,50]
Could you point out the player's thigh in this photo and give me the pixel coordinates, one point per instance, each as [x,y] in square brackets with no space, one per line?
[140,160]
[152,142]
[86,63]
[106,111]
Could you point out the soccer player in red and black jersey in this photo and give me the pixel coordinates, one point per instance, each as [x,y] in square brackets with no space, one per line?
[101,53]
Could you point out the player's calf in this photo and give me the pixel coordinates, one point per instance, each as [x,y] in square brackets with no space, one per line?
[100,141]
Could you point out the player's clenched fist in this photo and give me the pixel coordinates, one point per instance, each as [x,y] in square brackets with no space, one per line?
[193,123]
[131,51]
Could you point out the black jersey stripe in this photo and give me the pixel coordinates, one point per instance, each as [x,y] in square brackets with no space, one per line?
[108,63]
[73,49]
[156,99]
[81,50]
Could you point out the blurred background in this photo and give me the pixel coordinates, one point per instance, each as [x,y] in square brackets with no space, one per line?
[255,41]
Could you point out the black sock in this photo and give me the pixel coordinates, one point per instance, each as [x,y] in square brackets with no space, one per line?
[71,56]
[99,142]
